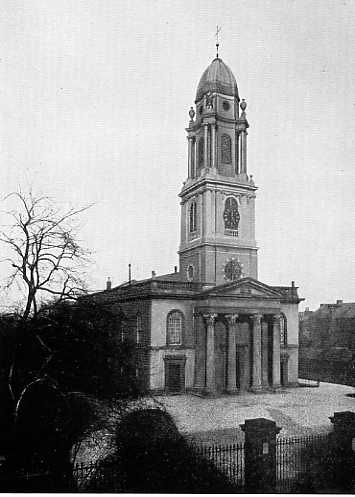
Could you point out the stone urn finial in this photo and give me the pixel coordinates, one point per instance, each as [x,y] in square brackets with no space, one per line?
[192,114]
[243,105]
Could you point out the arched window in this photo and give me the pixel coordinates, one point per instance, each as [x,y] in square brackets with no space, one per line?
[175,325]
[283,330]
[231,215]
[201,152]
[193,217]
[139,329]
[226,149]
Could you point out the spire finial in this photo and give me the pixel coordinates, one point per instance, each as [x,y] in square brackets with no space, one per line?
[218,30]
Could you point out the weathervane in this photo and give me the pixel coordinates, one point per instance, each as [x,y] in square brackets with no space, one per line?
[218,30]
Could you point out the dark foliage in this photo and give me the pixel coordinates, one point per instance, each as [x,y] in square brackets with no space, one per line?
[88,354]
[67,348]
[78,346]
[154,457]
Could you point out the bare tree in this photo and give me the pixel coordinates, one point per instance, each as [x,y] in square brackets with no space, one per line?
[44,251]
[45,257]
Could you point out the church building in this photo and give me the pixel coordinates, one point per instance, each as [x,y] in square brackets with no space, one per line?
[211,326]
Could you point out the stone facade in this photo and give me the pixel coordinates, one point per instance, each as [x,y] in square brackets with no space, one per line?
[212,327]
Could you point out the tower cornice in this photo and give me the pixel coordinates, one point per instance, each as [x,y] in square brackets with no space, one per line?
[217,243]
[216,183]
[241,124]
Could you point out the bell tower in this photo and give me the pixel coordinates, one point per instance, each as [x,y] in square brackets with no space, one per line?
[217,242]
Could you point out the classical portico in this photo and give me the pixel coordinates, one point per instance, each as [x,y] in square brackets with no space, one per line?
[242,354]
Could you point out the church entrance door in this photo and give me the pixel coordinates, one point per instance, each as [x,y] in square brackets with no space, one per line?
[174,375]
[243,357]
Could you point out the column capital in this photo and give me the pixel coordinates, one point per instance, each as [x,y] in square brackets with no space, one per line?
[232,318]
[256,318]
[210,318]
[276,318]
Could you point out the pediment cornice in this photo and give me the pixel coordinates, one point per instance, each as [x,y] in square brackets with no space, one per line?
[244,288]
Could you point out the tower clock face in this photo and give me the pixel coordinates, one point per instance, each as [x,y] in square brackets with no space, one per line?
[232,270]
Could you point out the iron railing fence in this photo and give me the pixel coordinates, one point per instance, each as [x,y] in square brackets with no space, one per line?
[301,463]
[229,459]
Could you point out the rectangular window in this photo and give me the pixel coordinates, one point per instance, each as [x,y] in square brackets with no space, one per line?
[139,330]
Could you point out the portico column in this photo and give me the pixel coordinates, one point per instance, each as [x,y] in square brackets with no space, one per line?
[276,351]
[210,364]
[256,380]
[265,353]
[232,349]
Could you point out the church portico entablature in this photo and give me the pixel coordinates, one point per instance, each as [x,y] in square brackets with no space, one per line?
[233,315]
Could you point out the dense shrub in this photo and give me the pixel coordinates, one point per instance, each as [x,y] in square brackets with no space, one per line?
[154,457]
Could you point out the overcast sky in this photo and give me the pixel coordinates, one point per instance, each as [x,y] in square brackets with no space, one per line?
[94,102]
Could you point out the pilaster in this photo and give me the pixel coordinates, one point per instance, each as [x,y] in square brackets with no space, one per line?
[205,152]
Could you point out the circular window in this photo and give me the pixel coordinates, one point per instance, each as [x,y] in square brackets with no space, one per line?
[232,270]
[190,273]
[200,109]
[226,106]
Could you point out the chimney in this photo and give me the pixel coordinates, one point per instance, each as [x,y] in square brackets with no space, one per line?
[175,269]
[129,273]
[153,274]
[306,309]
[108,284]
[339,302]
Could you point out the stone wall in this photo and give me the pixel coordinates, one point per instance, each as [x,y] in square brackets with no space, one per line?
[159,349]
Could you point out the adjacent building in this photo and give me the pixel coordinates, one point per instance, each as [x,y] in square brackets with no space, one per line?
[327,343]
[211,326]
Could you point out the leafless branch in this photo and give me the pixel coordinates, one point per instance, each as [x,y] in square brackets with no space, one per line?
[43,246]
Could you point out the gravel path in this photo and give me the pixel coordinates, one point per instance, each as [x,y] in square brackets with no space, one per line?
[299,411]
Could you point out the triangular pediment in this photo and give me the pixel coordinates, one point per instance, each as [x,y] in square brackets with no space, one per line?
[246,287]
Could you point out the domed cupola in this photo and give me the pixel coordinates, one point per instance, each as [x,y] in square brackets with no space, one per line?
[217,77]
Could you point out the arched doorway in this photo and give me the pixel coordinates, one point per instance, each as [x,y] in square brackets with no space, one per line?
[221,356]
